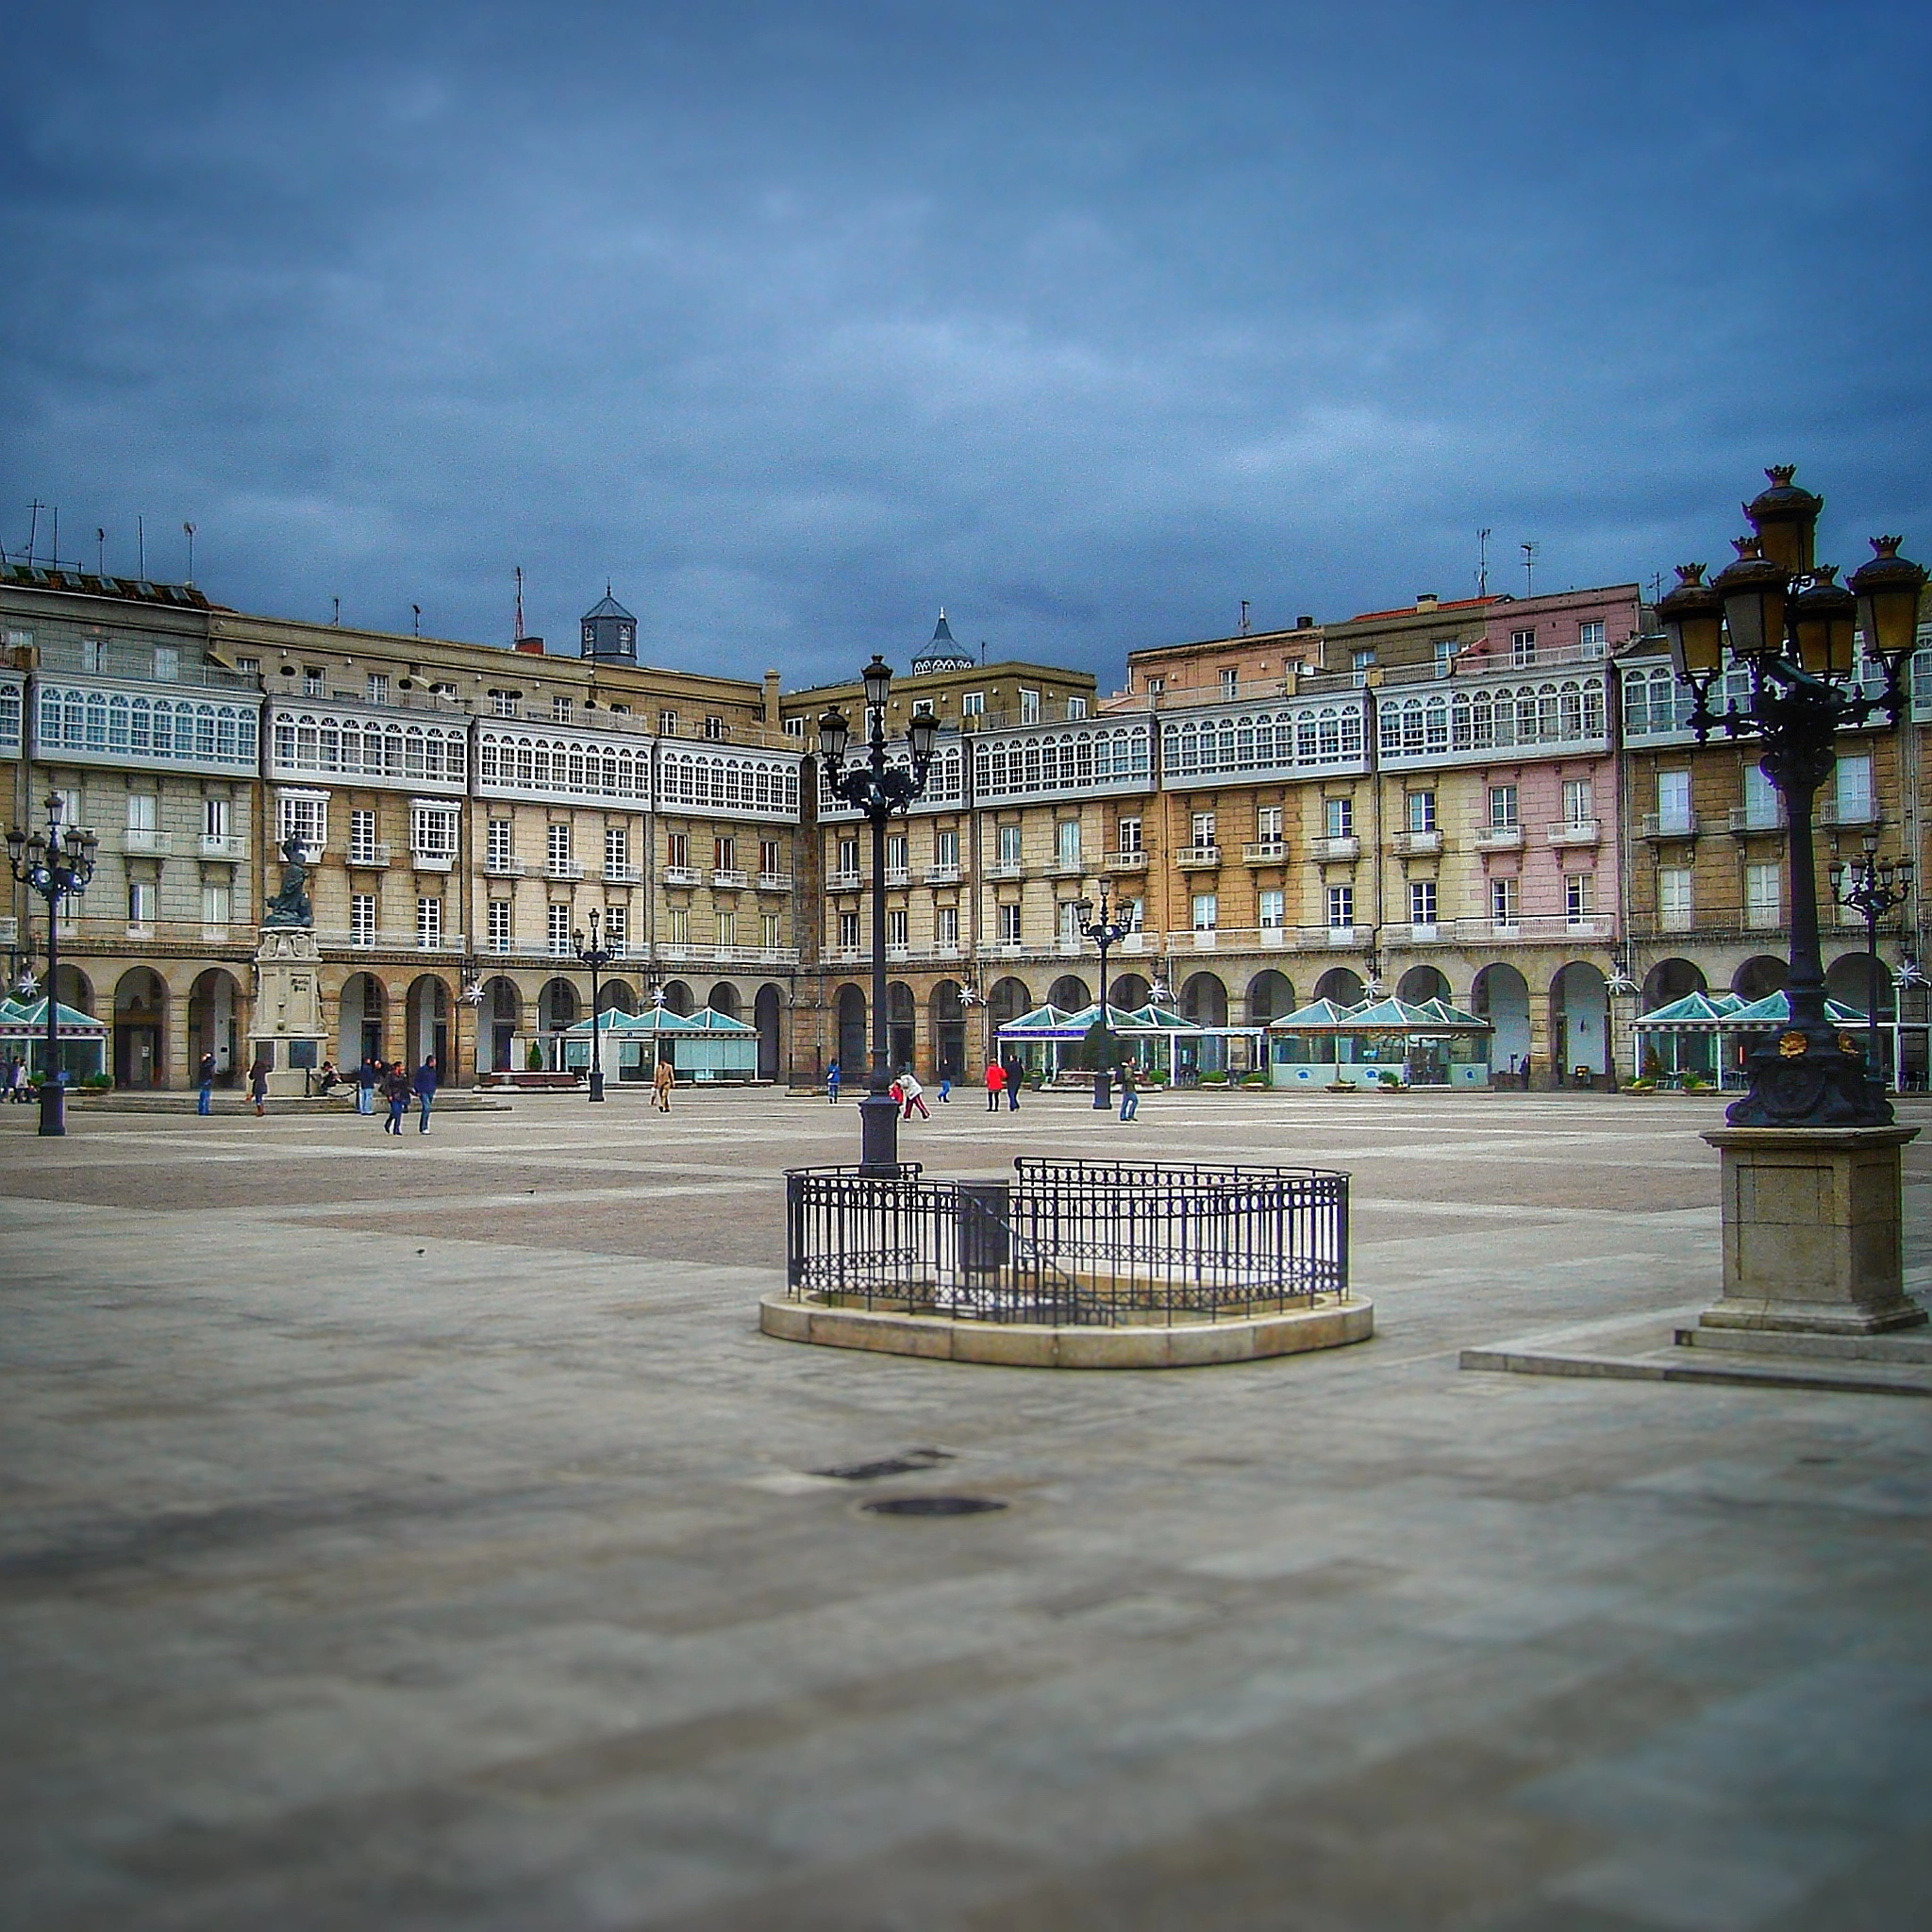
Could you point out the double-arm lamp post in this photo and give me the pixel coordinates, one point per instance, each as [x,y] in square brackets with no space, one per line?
[57,866]
[1795,628]
[597,958]
[878,788]
[1871,888]
[1106,930]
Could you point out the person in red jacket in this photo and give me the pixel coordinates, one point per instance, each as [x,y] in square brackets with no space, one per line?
[995,1085]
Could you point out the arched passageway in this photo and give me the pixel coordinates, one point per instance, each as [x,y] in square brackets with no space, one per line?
[948,1016]
[214,1006]
[1204,1000]
[1501,996]
[1271,995]
[499,1019]
[1669,980]
[854,1051]
[1341,984]
[141,1023]
[1421,983]
[1758,978]
[768,1011]
[427,1011]
[1579,1023]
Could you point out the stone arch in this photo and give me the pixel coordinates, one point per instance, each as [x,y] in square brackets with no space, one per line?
[1848,981]
[1203,998]
[854,1051]
[1672,979]
[902,1023]
[1271,994]
[768,1011]
[428,1020]
[617,997]
[1421,983]
[214,1022]
[1759,978]
[359,1014]
[558,1006]
[499,1019]
[677,998]
[1069,993]
[1579,1022]
[141,1028]
[1008,1000]
[723,998]
[947,1012]
[1500,994]
[1341,984]
[74,988]
[1130,993]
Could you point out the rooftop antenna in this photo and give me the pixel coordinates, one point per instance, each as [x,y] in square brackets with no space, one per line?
[1244,617]
[33,528]
[417,611]
[140,548]
[1482,563]
[56,535]
[100,553]
[520,603]
[336,609]
[187,531]
[1530,551]
[982,652]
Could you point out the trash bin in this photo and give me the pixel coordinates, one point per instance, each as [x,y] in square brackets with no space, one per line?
[985,1242]
[1103,1088]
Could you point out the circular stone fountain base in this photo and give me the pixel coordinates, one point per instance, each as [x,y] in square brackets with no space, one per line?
[1020,1345]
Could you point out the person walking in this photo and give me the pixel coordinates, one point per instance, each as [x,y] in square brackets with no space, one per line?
[204,1098]
[832,1083]
[258,1085]
[16,1081]
[913,1094]
[1012,1085]
[367,1074]
[425,1090]
[396,1090]
[1130,1096]
[995,1085]
[662,1081]
[946,1087]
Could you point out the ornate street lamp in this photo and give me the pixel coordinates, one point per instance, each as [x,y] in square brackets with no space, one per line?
[878,788]
[1794,626]
[1871,888]
[57,866]
[597,958]
[1105,929]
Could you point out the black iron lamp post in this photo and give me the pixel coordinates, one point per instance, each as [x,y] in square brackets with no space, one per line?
[1795,627]
[1105,929]
[1871,888]
[597,958]
[57,866]
[878,788]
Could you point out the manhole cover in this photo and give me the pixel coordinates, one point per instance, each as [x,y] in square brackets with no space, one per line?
[892,1465]
[934,1506]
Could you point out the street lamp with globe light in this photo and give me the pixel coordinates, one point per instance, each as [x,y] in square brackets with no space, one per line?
[57,866]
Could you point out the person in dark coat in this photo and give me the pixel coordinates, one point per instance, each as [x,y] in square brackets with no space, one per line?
[368,1079]
[425,1090]
[396,1090]
[258,1084]
[205,1081]
[1012,1085]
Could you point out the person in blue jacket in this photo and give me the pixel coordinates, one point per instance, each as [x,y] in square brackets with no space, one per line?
[425,1090]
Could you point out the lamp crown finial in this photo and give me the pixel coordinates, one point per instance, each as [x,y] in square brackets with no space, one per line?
[1779,475]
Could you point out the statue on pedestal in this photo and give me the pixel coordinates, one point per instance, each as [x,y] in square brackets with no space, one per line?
[290,907]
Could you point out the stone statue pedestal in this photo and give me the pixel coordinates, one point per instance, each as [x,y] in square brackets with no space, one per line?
[288,1026]
[1813,1220]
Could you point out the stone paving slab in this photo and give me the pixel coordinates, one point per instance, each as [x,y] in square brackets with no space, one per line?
[378,1551]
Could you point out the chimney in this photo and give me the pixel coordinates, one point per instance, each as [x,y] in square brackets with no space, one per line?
[1426,600]
[1304,623]
[771,699]
[531,647]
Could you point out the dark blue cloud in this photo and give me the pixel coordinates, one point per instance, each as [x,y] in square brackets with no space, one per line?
[796,321]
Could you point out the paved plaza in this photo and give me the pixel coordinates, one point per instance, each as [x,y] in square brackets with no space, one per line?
[420,1534]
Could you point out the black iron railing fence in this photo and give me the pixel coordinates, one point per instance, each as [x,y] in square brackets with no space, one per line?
[1072,1242]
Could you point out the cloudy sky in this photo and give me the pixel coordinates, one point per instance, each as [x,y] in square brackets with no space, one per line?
[1088,322]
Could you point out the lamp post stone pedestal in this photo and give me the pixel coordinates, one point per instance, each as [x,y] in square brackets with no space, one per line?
[1813,1236]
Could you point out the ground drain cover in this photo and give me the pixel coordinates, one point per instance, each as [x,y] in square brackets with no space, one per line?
[934,1506]
[911,1460]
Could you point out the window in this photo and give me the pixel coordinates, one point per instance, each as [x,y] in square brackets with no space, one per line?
[1503,901]
[1029,708]
[562,708]
[714,728]
[1129,835]
[725,852]
[771,858]
[1523,647]
[896,854]
[1760,801]
[1590,637]
[895,929]
[142,812]
[377,687]
[167,663]
[946,850]
[1360,663]
[1674,898]
[1854,778]
[558,930]
[432,831]
[848,859]
[1066,838]
[68,812]
[1340,817]
[769,936]
[1230,684]
[1202,826]
[1674,801]
[141,902]
[248,667]
[1341,908]
[304,817]
[1419,811]
[428,925]
[312,685]
[677,927]
[507,704]
[499,916]
[361,837]
[1580,897]
[1422,901]
[1009,926]
[1763,896]
[1502,806]
[1128,912]
[1156,686]
[726,922]
[677,851]
[946,927]
[363,919]
[214,818]
[973,705]
[442,690]
[1273,904]
[795,728]
[1267,825]
[1009,848]
[1577,806]
[848,930]
[1077,707]
[1207,912]
[498,849]
[1443,651]
[616,851]
[667,723]
[558,850]
[215,901]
